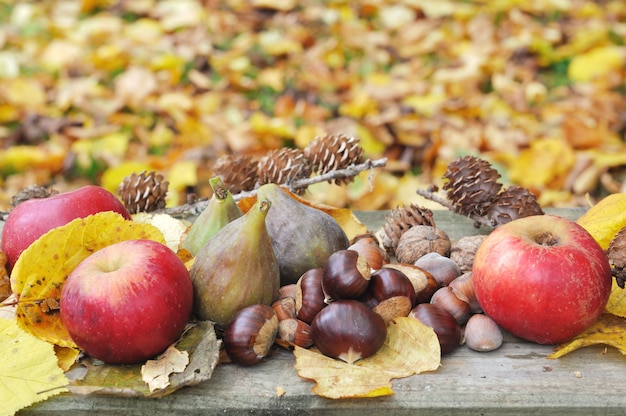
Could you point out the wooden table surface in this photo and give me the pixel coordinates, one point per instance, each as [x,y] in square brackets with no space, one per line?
[515,379]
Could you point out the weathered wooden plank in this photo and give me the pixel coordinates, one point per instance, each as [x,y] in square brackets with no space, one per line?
[515,379]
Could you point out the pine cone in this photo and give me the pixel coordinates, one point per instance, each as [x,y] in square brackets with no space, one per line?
[144,192]
[333,152]
[32,192]
[283,166]
[616,252]
[512,203]
[472,185]
[400,220]
[238,172]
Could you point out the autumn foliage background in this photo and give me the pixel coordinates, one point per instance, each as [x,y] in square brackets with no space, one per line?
[93,90]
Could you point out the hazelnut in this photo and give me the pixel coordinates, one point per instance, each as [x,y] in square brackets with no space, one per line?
[443,269]
[482,333]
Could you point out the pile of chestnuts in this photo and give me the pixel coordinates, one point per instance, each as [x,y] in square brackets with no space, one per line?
[344,307]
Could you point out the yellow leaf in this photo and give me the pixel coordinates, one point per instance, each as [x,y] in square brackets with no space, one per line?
[608,329]
[41,270]
[617,301]
[113,177]
[24,92]
[172,228]
[605,218]
[411,348]
[28,370]
[545,161]
[596,63]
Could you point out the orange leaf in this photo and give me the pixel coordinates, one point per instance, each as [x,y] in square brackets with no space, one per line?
[40,272]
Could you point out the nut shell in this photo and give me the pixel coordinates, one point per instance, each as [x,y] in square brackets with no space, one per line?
[250,334]
[348,330]
[346,275]
[448,300]
[447,329]
[482,333]
[309,295]
[443,269]
[420,240]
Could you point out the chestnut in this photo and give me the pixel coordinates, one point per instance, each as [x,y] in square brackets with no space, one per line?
[285,308]
[443,268]
[390,293]
[423,282]
[295,332]
[447,299]
[447,329]
[250,334]
[368,247]
[346,275]
[287,291]
[309,295]
[348,330]
[482,333]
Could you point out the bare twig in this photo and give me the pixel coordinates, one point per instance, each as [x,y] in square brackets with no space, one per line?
[194,209]
[435,197]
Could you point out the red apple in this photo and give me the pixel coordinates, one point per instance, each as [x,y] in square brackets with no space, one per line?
[31,219]
[127,302]
[542,278]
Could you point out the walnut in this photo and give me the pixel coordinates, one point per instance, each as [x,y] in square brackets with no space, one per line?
[419,240]
[464,250]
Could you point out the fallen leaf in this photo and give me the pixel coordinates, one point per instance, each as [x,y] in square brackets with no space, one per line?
[199,342]
[28,369]
[157,372]
[172,228]
[608,329]
[596,63]
[411,348]
[605,219]
[617,301]
[41,270]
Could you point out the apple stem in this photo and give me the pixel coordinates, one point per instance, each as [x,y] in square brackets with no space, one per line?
[547,239]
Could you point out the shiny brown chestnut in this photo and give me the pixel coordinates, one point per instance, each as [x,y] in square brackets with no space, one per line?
[368,247]
[250,334]
[390,293]
[447,299]
[309,295]
[443,269]
[423,282]
[447,329]
[346,275]
[348,330]
[295,332]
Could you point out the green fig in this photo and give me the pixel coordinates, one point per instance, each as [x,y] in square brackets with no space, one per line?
[302,237]
[220,210]
[236,268]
